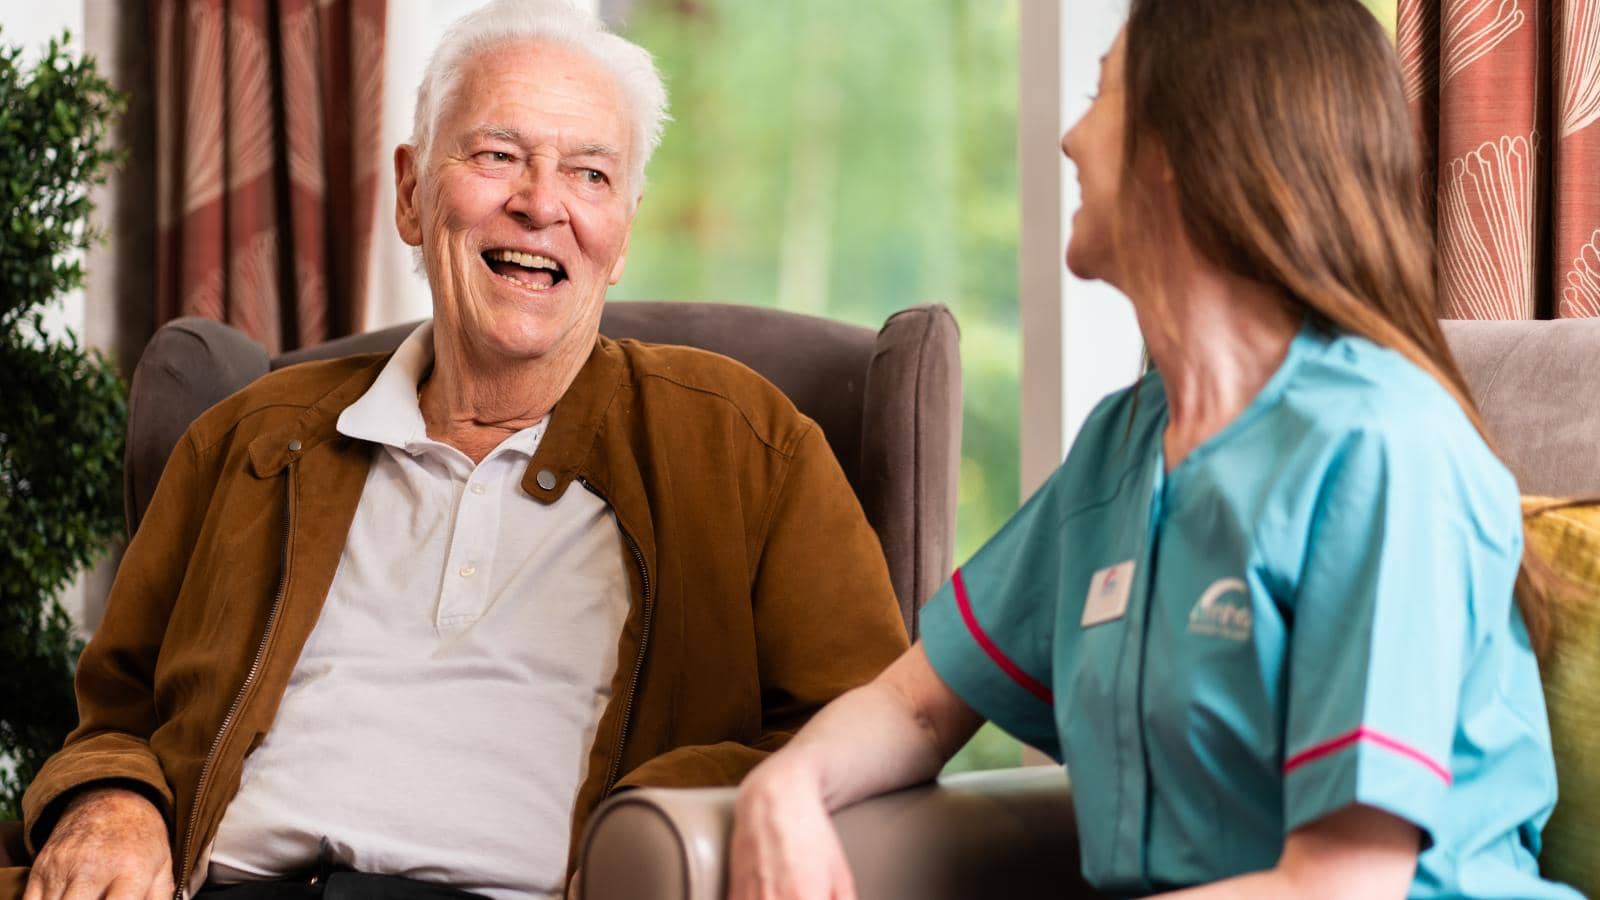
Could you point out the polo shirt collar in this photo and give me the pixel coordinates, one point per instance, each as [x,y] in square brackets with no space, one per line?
[388,413]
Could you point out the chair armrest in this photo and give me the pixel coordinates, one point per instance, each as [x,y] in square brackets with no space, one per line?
[1008,833]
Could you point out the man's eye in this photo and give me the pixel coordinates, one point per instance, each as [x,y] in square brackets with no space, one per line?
[495,156]
[593,176]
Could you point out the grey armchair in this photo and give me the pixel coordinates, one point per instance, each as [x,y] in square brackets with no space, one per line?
[1011,833]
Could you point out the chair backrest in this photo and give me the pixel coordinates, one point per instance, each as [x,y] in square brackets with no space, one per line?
[1538,386]
[888,401]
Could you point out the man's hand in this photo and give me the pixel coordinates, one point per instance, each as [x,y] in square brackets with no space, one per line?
[109,842]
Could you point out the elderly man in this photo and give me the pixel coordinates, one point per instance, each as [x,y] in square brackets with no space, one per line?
[408,619]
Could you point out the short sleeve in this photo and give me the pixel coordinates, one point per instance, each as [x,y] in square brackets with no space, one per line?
[1382,623]
[989,630]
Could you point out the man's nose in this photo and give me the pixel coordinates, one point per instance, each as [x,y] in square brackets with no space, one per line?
[536,197]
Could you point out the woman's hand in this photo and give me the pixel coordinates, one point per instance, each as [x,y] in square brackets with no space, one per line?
[897,730]
[784,846]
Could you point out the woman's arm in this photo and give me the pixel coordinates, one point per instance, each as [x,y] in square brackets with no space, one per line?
[898,729]
[1358,851]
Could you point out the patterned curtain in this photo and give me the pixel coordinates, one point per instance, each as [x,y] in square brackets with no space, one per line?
[1507,95]
[267,155]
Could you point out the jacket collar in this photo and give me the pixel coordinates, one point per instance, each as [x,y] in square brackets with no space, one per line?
[277,447]
[575,423]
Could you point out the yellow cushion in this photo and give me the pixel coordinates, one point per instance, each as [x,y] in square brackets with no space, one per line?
[1565,534]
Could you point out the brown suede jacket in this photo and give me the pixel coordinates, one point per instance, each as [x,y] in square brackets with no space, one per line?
[759,590]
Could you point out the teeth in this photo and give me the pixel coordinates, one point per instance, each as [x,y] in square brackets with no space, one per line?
[526,260]
[521,284]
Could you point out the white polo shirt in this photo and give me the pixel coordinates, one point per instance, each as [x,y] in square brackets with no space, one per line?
[438,721]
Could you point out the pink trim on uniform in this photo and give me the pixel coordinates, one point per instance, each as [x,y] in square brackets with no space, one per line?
[1023,679]
[1317,751]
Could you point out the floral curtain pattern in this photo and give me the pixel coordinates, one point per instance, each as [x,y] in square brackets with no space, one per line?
[1507,99]
[267,158]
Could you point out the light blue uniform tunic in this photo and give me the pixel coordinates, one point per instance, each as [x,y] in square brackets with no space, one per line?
[1312,609]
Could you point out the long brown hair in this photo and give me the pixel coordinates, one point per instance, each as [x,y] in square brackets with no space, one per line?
[1285,126]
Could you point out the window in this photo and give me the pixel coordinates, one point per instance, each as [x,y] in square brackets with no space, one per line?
[1385,10]
[848,160]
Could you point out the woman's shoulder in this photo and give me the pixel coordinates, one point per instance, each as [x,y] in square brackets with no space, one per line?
[1376,411]
[1349,385]
[1346,373]
[1116,439]
[1136,408]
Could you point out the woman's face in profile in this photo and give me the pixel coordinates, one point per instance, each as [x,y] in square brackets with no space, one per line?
[1094,145]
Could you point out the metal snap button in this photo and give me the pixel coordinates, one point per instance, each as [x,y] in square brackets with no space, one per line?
[294,446]
[546,479]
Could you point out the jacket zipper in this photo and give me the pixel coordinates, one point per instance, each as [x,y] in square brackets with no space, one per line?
[644,643]
[238,700]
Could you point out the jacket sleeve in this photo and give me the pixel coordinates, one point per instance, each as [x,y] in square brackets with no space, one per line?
[116,673]
[825,615]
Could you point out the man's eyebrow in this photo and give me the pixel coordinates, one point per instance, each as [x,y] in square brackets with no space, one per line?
[512,135]
[498,133]
[605,150]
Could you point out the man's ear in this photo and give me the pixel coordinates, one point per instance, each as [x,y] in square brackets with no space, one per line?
[406,215]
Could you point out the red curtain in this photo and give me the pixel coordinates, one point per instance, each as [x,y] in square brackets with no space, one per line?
[1507,98]
[267,158]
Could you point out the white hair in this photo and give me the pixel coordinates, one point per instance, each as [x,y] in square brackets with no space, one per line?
[557,21]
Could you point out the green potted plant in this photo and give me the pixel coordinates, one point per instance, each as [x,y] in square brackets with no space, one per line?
[62,407]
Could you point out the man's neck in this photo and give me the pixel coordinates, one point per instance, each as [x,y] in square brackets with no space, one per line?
[473,403]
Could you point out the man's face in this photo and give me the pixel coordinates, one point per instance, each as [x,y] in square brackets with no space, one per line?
[522,208]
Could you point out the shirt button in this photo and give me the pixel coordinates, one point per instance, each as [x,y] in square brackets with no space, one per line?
[476,488]
[468,570]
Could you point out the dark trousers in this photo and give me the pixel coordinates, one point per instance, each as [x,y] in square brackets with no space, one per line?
[338,886]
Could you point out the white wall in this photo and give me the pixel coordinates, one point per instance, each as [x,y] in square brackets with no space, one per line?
[1100,343]
[1080,340]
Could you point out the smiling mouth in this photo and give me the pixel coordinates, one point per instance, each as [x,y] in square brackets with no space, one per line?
[529,270]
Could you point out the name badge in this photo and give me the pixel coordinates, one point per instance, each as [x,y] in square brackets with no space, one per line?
[1108,594]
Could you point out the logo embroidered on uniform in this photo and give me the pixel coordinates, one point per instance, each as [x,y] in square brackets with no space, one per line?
[1223,611]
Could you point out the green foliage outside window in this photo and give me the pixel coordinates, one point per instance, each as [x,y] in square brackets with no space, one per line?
[62,408]
[848,160]
[1385,10]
